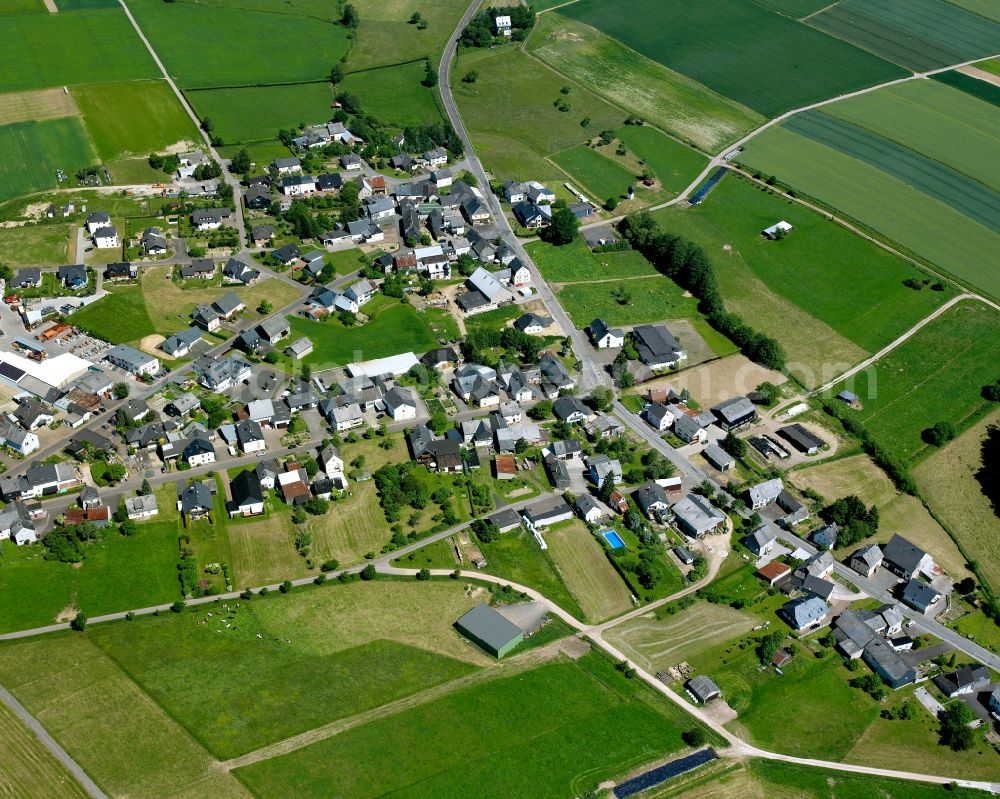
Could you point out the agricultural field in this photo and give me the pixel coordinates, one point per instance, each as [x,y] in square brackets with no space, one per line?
[739,50]
[985,8]
[393,328]
[156,119]
[23,7]
[599,176]
[515,143]
[672,164]
[576,263]
[641,86]
[797,9]
[891,206]
[587,572]
[394,95]
[205,47]
[971,85]
[533,733]
[35,150]
[936,375]
[29,768]
[948,481]
[274,108]
[84,5]
[847,297]
[919,34]
[649,299]
[41,50]
[35,245]
[36,105]
[385,36]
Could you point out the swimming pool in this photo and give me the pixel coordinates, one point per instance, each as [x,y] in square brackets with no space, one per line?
[614,540]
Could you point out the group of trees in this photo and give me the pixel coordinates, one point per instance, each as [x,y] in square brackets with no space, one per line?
[168,163]
[478,343]
[563,227]
[856,522]
[481,29]
[65,542]
[398,487]
[485,530]
[687,264]
[939,434]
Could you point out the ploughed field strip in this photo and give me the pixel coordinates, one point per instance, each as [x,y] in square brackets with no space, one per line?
[965,195]
[919,34]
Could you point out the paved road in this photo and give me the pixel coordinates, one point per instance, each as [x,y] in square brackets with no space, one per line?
[49,743]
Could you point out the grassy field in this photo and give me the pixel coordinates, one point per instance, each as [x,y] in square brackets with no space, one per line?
[514,142]
[385,36]
[947,479]
[794,8]
[575,262]
[156,118]
[891,207]
[118,573]
[35,245]
[29,768]
[673,102]
[847,298]
[674,165]
[274,108]
[587,572]
[739,49]
[353,528]
[936,375]
[652,299]
[712,382]
[394,95]
[127,744]
[345,261]
[533,733]
[262,551]
[40,50]
[36,105]
[134,170]
[121,316]
[35,150]
[919,34]
[393,328]
[599,176]
[197,44]
[980,89]
[23,7]
[252,691]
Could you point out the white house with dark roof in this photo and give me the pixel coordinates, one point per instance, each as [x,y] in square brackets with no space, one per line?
[604,336]
[132,360]
[106,238]
[657,347]
[763,494]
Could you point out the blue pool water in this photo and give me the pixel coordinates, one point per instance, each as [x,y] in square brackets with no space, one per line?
[614,540]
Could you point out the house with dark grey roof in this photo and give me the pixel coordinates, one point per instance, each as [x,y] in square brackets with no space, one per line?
[657,347]
[236,271]
[287,254]
[273,329]
[247,495]
[194,500]
[734,413]
[179,344]
[866,560]
[965,680]
[825,537]
[718,457]
[765,493]
[505,520]
[761,541]
[920,596]
[548,512]
[905,559]
[557,472]
[570,409]
[210,218]
[804,614]
[181,405]
[801,438]
[73,276]
[605,337]
[888,663]
[588,508]
[199,268]
[651,498]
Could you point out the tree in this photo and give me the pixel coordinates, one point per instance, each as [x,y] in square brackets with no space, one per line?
[285,587]
[424,574]
[603,397]
[695,737]
[415,18]
[330,565]
[938,435]
[78,623]
[178,606]
[769,392]
[470,77]
[562,229]
[955,731]
[265,307]
[486,531]
[350,17]
[768,645]
[856,522]
[272,357]
[541,410]
[611,203]
[368,572]
[337,73]
[734,445]
[430,76]
[120,390]
[207,125]
[145,489]
[128,528]
[240,163]
[439,423]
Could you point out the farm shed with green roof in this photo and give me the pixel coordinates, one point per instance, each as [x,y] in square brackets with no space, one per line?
[490,630]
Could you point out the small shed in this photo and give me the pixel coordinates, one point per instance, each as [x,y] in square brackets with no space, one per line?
[703,689]
[490,630]
[777,230]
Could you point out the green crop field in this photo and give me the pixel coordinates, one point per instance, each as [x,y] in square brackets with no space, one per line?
[385,36]
[985,8]
[643,87]
[650,299]
[576,263]
[599,176]
[794,8]
[514,142]
[673,164]
[937,375]
[941,123]
[829,296]
[980,89]
[156,119]
[919,34]
[33,151]
[955,243]
[42,50]
[257,113]
[205,47]
[393,328]
[29,768]
[761,59]
[23,7]
[85,5]
[394,95]
[533,735]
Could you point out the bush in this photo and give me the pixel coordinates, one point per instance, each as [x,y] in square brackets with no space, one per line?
[177,607]
[368,572]
[329,565]
[285,587]
[78,623]
[694,737]
[424,574]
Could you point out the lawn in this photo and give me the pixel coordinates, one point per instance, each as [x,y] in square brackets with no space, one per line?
[43,50]
[533,734]
[394,95]
[393,328]
[205,47]
[156,119]
[35,245]
[947,480]
[35,150]
[385,36]
[761,59]
[493,320]
[586,571]
[514,138]
[29,768]
[274,108]
[651,299]
[442,324]
[847,298]
[598,176]
[673,165]
[345,262]
[643,87]
[890,206]
[575,262]
[248,680]
[937,375]
[118,573]
[352,528]
[123,740]
[262,551]
[119,317]
[919,34]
